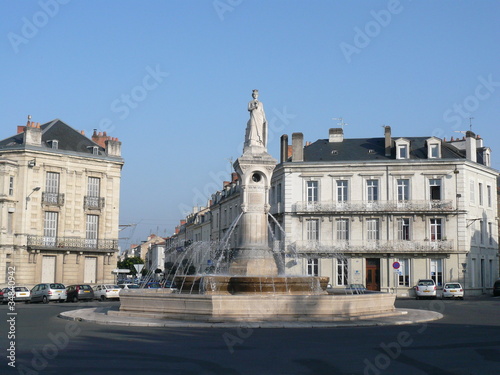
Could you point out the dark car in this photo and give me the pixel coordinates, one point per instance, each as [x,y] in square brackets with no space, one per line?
[496,288]
[79,292]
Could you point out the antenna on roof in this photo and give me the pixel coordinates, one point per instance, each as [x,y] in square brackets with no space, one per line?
[341,123]
[470,123]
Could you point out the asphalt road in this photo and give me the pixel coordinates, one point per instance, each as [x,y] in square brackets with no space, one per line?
[465,341]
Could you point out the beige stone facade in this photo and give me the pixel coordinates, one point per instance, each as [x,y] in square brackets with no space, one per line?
[59,205]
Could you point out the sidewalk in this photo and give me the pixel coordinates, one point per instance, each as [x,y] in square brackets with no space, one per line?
[109,315]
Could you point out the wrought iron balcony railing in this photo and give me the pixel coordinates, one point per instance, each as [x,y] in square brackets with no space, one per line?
[71,243]
[380,246]
[53,199]
[93,203]
[375,206]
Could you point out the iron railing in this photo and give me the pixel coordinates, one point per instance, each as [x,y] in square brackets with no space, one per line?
[375,206]
[93,203]
[52,199]
[380,246]
[71,243]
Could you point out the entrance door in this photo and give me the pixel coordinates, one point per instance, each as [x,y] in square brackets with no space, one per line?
[373,273]
[48,269]
[90,270]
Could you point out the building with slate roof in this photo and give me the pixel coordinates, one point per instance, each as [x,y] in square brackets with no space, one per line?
[354,209]
[59,205]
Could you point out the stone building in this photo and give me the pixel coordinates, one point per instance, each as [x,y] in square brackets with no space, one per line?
[59,204]
[388,211]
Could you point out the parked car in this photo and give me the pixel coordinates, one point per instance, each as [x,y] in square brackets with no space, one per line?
[356,289]
[496,288]
[129,286]
[79,292]
[20,293]
[426,288]
[106,291]
[46,292]
[452,290]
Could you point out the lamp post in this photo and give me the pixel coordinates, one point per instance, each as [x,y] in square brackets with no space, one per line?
[28,197]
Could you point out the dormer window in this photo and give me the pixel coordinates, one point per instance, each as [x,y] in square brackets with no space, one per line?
[94,150]
[54,144]
[402,148]
[434,148]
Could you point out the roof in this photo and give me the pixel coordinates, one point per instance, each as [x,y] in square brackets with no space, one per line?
[368,149]
[68,139]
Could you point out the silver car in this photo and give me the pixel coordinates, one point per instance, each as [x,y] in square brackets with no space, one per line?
[48,292]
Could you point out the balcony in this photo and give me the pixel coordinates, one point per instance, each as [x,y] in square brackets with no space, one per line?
[93,203]
[413,206]
[71,243]
[52,199]
[330,248]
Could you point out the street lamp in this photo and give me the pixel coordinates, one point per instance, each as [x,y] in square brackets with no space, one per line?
[28,197]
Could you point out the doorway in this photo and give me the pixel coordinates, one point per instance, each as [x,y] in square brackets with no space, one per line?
[373,274]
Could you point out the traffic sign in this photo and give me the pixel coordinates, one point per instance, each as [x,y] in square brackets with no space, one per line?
[396,265]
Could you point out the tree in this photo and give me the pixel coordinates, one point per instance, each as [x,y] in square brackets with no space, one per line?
[129,264]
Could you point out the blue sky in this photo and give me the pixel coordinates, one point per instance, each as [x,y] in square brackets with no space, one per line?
[171,80]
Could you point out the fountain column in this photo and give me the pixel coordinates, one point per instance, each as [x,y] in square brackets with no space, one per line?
[255,167]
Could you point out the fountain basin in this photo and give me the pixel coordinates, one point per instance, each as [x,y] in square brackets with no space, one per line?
[220,284]
[161,303]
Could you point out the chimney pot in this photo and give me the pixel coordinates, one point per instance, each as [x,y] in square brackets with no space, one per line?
[297,147]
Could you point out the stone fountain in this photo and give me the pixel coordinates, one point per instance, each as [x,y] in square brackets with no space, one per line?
[253,289]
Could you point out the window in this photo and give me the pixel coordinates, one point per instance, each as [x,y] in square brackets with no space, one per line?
[312,229]
[435,229]
[10,222]
[472,194]
[403,190]
[404,272]
[437,271]
[50,228]
[434,152]
[490,231]
[342,272]
[480,193]
[93,192]
[488,192]
[435,188]
[342,195]
[372,190]
[278,194]
[404,229]
[51,188]
[343,229]
[312,191]
[402,152]
[91,231]
[313,266]
[481,231]
[11,185]
[372,226]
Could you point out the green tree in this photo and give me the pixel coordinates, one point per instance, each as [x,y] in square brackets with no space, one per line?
[129,264]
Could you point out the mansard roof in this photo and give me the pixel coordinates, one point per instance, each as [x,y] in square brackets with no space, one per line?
[368,149]
[68,139]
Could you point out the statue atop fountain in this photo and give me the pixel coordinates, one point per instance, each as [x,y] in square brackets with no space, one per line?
[255,167]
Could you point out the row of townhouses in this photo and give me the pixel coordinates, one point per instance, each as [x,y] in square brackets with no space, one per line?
[383,212]
[59,205]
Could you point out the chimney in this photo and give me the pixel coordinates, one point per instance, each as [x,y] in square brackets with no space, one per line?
[284,148]
[113,147]
[470,146]
[388,140]
[297,147]
[336,135]
[33,134]
[289,154]
[20,129]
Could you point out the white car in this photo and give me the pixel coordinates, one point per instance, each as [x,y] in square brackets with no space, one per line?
[426,288]
[129,286]
[104,292]
[452,290]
